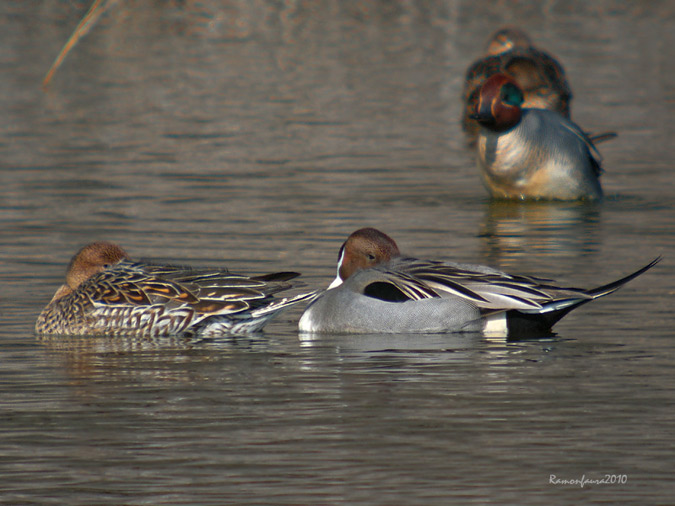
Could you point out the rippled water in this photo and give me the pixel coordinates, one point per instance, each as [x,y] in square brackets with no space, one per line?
[259,135]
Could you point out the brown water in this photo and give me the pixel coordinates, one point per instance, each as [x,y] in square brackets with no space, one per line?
[258,135]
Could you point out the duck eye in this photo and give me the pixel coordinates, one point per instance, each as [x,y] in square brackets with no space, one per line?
[371,257]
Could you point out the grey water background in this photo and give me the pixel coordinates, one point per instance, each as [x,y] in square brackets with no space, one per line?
[257,135]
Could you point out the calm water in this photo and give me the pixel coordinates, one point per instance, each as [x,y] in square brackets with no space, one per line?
[258,135]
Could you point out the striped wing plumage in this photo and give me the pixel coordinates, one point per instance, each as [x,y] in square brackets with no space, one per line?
[206,292]
[489,289]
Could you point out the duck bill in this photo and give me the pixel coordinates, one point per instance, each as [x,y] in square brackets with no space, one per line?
[483,116]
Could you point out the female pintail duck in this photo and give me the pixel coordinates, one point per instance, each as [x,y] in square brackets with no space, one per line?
[539,75]
[107,294]
[379,291]
[532,153]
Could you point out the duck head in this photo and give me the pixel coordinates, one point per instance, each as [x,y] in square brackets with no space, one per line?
[365,248]
[506,39]
[499,103]
[90,260]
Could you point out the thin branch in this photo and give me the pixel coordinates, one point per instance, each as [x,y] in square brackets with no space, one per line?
[86,24]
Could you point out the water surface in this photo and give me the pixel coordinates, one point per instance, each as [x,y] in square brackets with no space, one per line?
[258,136]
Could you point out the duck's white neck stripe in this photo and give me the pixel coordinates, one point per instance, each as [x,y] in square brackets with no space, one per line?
[338,281]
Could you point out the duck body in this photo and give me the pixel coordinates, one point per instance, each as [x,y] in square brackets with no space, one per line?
[544,157]
[369,301]
[379,291]
[532,153]
[120,297]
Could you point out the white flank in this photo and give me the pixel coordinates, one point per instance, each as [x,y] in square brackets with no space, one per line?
[495,324]
[305,324]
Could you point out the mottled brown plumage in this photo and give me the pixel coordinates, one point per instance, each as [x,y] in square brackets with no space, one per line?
[108,294]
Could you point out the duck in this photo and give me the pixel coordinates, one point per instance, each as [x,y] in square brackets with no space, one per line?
[542,78]
[108,294]
[532,154]
[378,290]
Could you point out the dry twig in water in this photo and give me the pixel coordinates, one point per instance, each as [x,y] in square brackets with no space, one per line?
[87,23]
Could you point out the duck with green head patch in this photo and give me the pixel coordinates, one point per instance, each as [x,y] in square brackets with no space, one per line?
[510,51]
[528,153]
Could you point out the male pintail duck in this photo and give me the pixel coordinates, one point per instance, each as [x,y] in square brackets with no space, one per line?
[379,291]
[532,153]
[539,75]
[107,294]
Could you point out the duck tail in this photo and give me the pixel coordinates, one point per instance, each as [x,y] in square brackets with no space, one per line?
[522,323]
[276,276]
[601,291]
[278,305]
[602,137]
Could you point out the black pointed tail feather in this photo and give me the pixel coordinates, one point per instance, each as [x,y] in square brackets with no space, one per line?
[615,285]
[276,276]
[521,323]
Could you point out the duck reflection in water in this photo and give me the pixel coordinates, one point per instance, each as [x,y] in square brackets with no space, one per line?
[512,230]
